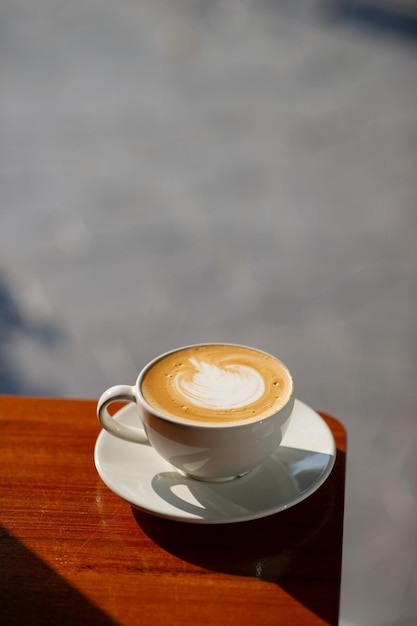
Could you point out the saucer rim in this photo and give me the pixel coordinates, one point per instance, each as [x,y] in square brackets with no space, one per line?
[183,516]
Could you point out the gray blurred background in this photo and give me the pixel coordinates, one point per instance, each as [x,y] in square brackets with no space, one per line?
[176,171]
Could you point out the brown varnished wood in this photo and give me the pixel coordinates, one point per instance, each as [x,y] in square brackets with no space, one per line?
[72,552]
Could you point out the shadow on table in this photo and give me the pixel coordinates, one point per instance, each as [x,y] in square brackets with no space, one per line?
[31,593]
[298,549]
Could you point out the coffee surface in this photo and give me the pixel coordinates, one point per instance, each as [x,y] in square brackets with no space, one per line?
[217,383]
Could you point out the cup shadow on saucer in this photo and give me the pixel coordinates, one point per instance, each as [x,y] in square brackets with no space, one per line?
[279,482]
[287,548]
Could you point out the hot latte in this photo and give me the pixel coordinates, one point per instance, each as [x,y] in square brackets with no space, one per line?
[217,383]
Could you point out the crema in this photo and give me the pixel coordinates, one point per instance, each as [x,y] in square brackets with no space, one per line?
[217,383]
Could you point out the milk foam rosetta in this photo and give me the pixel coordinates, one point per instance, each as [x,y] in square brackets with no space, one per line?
[217,383]
[215,387]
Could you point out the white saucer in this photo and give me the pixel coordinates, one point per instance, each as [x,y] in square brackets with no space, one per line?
[300,465]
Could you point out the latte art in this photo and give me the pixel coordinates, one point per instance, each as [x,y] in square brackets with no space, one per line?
[213,387]
[217,383]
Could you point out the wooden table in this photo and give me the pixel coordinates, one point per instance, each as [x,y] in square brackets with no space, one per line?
[74,553]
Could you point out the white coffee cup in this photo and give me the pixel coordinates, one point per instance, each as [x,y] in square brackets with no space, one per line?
[214,411]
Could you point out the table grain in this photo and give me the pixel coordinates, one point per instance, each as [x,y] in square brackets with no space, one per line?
[72,552]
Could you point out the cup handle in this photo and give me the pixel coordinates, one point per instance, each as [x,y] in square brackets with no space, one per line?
[123,431]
